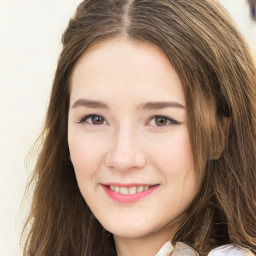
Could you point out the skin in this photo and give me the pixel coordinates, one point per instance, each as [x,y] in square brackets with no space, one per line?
[128,144]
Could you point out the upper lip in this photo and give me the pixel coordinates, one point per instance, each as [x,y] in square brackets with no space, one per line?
[116,184]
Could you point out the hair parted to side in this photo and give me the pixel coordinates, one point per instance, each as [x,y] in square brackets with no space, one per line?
[219,80]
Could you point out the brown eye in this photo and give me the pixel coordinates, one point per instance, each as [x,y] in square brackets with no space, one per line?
[161,121]
[97,120]
[93,120]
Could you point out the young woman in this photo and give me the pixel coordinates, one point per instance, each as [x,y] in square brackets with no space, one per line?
[149,140]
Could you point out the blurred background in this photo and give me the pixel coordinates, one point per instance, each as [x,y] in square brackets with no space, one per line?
[243,12]
[30,32]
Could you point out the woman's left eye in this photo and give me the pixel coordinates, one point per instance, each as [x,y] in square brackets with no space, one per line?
[162,121]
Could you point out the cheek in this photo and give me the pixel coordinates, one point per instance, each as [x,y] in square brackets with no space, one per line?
[85,153]
[172,154]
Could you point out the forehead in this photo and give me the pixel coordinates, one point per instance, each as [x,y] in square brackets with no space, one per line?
[126,69]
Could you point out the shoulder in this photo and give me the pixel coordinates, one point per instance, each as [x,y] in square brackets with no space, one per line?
[230,250]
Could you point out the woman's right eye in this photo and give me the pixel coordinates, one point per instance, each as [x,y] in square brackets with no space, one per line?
[93,120]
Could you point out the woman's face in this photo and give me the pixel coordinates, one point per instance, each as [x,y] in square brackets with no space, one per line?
[128,138]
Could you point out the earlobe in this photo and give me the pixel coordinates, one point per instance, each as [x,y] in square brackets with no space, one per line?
[221,138]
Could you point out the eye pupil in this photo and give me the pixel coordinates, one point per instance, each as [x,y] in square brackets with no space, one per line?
[97,120]
[161,121]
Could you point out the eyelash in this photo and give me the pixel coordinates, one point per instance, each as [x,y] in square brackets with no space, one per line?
[83,119]
[170,121]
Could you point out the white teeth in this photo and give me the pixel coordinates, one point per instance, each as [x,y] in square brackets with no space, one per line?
[130,190]
[123,191]
[146,188]
[140,189]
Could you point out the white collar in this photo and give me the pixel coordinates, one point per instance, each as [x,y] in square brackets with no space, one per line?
[182,249]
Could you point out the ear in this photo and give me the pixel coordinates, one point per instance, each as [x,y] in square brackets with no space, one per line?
[220,138]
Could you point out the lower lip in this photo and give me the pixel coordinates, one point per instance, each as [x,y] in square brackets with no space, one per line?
[128,198]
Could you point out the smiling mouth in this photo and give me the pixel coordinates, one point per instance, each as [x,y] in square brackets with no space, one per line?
[130,190]
[129,193]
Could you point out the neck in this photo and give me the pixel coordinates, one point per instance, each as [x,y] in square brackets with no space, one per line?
[145,245]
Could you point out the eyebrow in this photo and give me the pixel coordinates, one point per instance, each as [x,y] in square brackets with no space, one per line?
[90,104]
[160,105]
[154,105]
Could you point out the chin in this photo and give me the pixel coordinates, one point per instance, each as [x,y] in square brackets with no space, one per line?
[135,229]
[128,230]
[130,233]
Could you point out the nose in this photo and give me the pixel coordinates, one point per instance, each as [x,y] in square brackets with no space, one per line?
[125,152]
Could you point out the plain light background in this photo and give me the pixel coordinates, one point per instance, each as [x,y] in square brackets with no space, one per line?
[30,34]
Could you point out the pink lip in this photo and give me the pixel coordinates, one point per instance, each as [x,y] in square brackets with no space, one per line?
[128,198]
[127,185]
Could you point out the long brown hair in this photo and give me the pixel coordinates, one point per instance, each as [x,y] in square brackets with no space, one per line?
[219,80]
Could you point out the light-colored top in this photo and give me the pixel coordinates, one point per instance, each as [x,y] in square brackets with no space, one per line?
[181,249]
